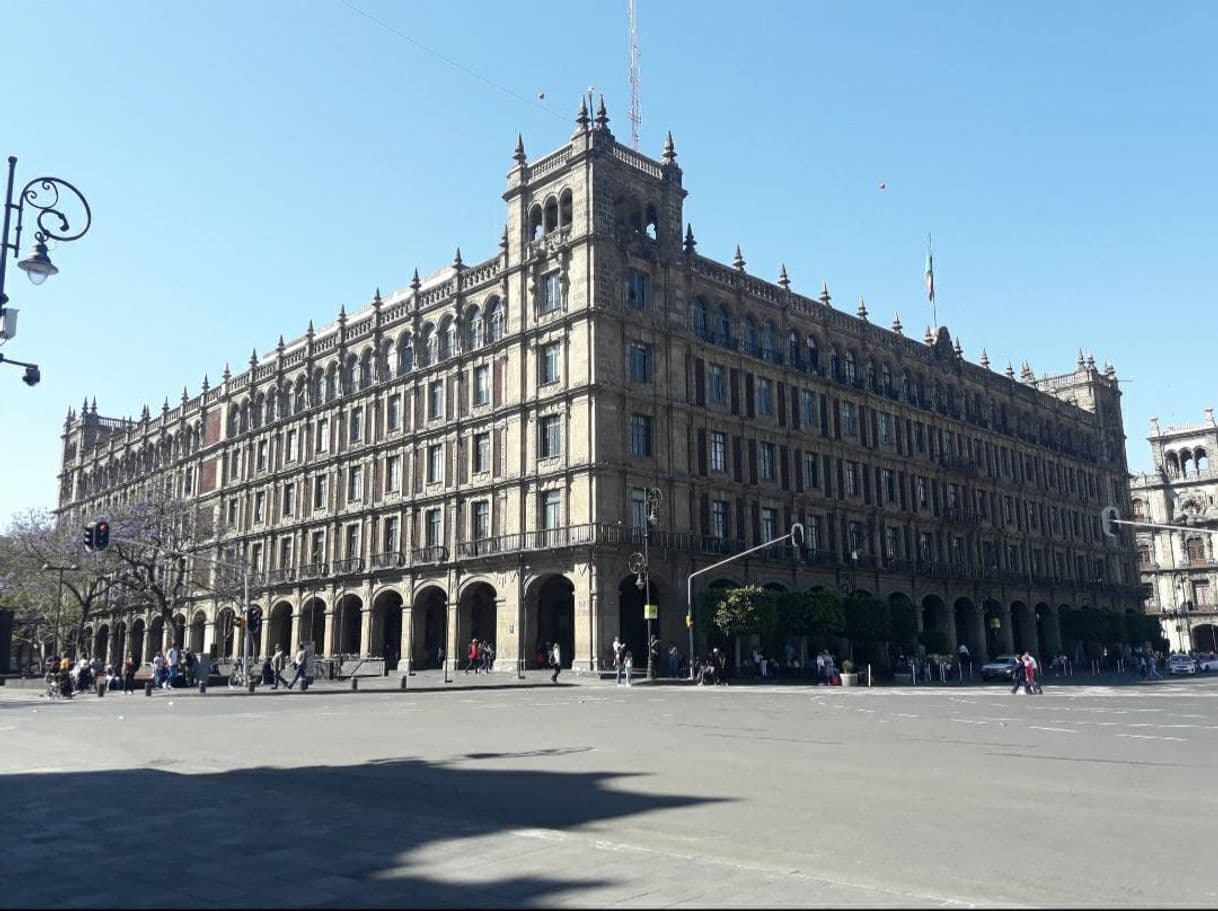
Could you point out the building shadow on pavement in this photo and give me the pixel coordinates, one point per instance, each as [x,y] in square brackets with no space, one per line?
[400,832]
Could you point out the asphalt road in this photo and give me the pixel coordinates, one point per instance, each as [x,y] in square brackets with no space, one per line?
[595,795]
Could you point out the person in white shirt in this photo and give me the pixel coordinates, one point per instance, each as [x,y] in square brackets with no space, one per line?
[301,662]
[556,660]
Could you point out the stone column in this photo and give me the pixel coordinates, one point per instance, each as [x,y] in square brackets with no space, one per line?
[507,639]
[294,630]
[365,632]
[1006,635]
[406,663]
[453,647]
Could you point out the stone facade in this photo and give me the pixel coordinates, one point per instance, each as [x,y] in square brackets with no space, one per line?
[1180,568]
[468,456]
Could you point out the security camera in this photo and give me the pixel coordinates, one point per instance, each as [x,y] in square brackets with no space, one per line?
[32,375]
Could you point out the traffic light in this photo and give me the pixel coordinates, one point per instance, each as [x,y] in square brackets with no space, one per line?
[101,534]
[90,536]
[255,619]
[1109,516]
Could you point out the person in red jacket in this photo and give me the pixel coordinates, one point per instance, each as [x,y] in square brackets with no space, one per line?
[473,656]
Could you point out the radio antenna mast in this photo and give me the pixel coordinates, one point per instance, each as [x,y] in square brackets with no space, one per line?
[635,117]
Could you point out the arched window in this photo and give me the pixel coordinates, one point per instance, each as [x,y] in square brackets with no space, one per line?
[551,214]
[494,320]
[234,421]
[813,355]
[405,356]
[331,384]
[886,379]
[565,212]
[1186,460]
[365,370]
[1195,547]
[651,225]
[793,348]
[750,335]
[1201,460]
[1172,464]
[245,416]
[268,414]
[535,223]
[473,330]
[835,363]
[768,341]
[849,373]
[725,327]
[871,375]
[698,317]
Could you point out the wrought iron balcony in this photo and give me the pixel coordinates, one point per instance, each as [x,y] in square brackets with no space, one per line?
[388,559]
[348,566]
[314,570]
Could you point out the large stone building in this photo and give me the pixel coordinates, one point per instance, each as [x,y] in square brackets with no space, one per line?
[470,456]
[1180,568]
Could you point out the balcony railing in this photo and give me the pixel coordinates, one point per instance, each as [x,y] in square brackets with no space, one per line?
[388,559]
[348,566]
[314,570]
[281,575]
[437,553]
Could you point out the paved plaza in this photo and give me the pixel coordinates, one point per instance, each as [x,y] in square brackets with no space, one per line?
[594,795]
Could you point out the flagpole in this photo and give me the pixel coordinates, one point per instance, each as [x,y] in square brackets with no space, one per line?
[930,282]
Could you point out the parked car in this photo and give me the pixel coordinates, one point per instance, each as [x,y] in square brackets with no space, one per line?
[1181,664]
[1001,668]
[1207,662]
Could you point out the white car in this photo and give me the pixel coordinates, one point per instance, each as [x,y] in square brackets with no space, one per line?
[1208,662]
[1181,664]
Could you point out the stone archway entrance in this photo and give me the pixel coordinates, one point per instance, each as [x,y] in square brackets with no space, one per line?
[279,629]
[477,618]
[225,633]
[198,625]
[156,637]
[552,617]
[632,625]
[1205,637]
[429,622]
[937,625]
[136,636]
[969,629]
[101,642]
[349,626]
[313,624]
[118,643]
[179,631]
[1023,629]
[386,634]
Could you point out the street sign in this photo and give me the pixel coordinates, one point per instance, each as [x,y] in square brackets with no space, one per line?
[651,612]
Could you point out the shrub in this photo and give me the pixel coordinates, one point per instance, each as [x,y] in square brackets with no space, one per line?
[935,641]
[847,666]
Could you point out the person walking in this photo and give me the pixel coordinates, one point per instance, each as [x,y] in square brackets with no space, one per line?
[556,662]
[472,656]
[1030,668]
[628,663]
[1019,677]
[300,661]
[966,661]
[619,662]
[278,662]
[129,668]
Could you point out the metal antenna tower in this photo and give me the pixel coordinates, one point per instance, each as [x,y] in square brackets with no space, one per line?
[635,117]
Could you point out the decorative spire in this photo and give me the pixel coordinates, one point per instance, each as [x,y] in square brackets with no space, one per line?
[93,407]
[415,284]
[457,263]
[690,243]
[1082,361]
[958,348]
[165,406]
[206,385]
[253,358]
[738,262]
[1110,372]
[782,277]
[185,396]
[309,331]
[670,151]
[503,241]
[376,299]
[985,359]
[1090,360]
[896,324]
[861,312]
[1010,371]
[84,406]
[929,337]
[518,155]
[581,119]
[824,294]
[227,373]
[602,117]
[342,314]
[279,347]
[1026,373]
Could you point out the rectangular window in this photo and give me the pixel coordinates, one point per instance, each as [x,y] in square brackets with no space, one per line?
[923,500]
[551,509]
[811,470]
[849,416]
[232,512]
[351,545]
[482,520]
[188,481]
[355,483]
[482,453]
[323,435]
[482,384]
[640,435]
[260,506]
[262,455]
[718,385]
[290,446]
[285,553]
[289,499]
[319,491]
[638,507]
[435,463]
[719,519]
[807,403]
[434,534]
[551,298]
[389,535]
[636,290]
[549,362]
[393,473]
[435,400]
[852,478]
[890,543]
[640,362]
[885,428]
[256,556]
[550,440]
[765,396]
[357,424]
[766,468]
[718,451]
[769,523]
[317,549]
[393,412]
[812,528]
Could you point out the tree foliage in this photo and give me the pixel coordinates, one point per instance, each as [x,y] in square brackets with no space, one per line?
[904,620]
[740,611]
[868,619]
[935,641]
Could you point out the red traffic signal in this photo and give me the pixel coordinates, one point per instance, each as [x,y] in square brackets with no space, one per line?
[101,535]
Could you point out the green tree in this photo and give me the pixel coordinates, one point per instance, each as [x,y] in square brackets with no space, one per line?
[826,613]
[904,620]
[935,641]
[743,611]
[868,619]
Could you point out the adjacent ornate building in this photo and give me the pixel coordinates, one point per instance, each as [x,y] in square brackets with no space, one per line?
[1180,568]
[470,456]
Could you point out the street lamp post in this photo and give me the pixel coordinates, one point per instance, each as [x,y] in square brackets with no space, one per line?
[640,565]
[46,196]
[47,567]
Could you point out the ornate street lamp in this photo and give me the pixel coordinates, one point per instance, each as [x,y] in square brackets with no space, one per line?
[640,565]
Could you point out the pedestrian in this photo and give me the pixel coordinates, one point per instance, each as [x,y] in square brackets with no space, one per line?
[619,661]
[820,668]
[158,670]
[674,660]
[628,663]
[130,666]
[556,662]
[192,667]
[1030,668]
[300,661]
[472,656]
[966,660]
[1152,667]
[1019,677]
[278,662]
[618,646]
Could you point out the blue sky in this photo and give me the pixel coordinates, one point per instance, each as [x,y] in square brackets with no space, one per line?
[255,166]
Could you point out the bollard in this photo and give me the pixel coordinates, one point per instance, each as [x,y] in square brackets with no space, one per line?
[354,683]
[101,688]
[869,676]
[405,680]
[202,686]
[148,688]
[250,687]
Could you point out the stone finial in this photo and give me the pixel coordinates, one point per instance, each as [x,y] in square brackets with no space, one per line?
[896,324]
[84,406]
[227,374]
[342,314]
[581,119]
[670,151]
[280,346]
[1090,361]
[144,414]
[824,294]
[690,243]
[929,337]
[1209,412]
[309,331]
[503,241]
[518,155]
[1026,373]
[165,405]
[458,263]
[1010,371]
[206,385]
[253,358]
[1154,426]
[185,396]
[93,406]
[782,277]
[602,117]
[861,312]
[415,284]
[376,299]
[1082,361]
[738,262]
[985,359]
[958,348]
[1109,370]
